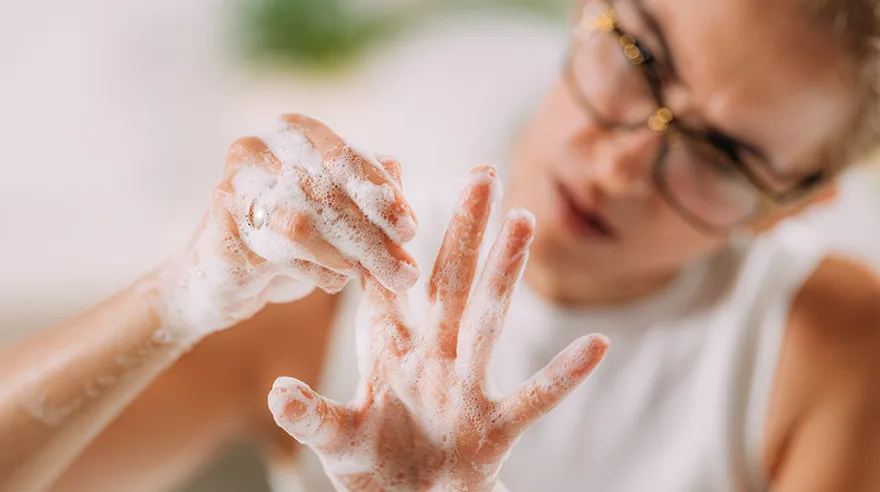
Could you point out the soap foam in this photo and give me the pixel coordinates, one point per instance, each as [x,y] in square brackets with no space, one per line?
[411,401]
[216,284]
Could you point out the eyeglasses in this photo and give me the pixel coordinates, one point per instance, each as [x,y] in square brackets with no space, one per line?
[618,83]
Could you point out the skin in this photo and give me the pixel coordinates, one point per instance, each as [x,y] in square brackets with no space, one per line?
[64,386]
[424,417]
[613,169]
[822,430]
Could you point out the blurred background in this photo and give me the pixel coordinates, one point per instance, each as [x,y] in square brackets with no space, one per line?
[115,117]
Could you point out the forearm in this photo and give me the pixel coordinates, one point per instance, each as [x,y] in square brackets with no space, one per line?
[62,387]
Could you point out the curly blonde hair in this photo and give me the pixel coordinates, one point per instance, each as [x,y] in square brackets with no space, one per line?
[856,25]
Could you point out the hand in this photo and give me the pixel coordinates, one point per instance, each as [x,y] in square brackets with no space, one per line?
[425,416]
[295,210]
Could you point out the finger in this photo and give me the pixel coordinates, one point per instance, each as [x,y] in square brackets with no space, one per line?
[300,229]
[456,263]
[356,237]
[251,170]
[327,280]
[223,208]
[550,385]
[386,332]
[307,416]
[362,482]
[234,248]
[490,301]
[362,177]
[250,151]
[353,236]
[393,168]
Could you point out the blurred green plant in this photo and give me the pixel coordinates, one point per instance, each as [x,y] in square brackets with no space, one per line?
[311,32]
[554,9]
[325,33]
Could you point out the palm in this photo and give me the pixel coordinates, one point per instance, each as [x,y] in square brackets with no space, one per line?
[425,416]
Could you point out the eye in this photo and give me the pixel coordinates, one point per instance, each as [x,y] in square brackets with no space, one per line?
[812,180]
[723,169]
[716,160]
[725,145]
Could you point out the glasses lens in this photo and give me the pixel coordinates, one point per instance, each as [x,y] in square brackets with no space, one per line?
[609,83]
[707,185]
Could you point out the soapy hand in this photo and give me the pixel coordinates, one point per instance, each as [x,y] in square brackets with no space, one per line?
[425,416]
[297,209]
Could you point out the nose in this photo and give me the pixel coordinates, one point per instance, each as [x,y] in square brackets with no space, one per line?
[620,161]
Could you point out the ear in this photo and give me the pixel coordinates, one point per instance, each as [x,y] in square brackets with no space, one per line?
[823,196]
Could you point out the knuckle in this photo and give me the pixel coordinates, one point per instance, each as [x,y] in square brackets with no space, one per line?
[243,150]
[296,226]
[535,400]
[335,285]
[296,119]
[300,227]
[341,158]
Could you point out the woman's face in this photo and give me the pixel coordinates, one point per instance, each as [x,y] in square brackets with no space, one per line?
[756,73]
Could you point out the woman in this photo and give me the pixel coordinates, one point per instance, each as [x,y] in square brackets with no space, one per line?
[678,129]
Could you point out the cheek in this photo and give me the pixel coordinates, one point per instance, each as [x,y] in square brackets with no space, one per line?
[542,139]
[558,119]
[673,242]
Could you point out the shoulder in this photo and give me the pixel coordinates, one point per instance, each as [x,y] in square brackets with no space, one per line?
[835,317]
[829,357]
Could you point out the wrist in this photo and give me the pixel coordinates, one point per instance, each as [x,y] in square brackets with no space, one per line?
[186,301]
[473,480]
[446,486]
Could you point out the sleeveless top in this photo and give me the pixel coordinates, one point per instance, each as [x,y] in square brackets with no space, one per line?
[678,404]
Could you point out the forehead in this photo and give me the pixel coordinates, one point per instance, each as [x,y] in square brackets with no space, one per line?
[760,71]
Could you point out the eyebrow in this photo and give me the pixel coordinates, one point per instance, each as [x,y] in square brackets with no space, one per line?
[735,143]
[726,140]
[651,21]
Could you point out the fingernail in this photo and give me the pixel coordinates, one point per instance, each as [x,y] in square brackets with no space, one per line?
[287,392]
[484,171]
[406,228]
[593,348]
[278,399]
[521,215]
[600,342]
[485,174]
[405,278]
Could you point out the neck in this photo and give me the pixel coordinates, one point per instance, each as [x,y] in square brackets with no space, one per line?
[578,290]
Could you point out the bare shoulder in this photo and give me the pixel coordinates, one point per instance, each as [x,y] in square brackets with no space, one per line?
[834,324]
[829,359]
[840,294]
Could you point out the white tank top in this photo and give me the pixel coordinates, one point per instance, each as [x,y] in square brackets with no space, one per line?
[678,404]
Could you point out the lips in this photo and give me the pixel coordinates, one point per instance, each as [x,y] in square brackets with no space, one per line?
[582,216]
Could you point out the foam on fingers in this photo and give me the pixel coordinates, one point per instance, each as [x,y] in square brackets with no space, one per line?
[375,192]
[348,210]
[307,416]
[491,298]
[231,268]
[420,419]
[543,391]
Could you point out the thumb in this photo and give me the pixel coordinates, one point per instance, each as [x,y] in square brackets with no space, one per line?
[307,416]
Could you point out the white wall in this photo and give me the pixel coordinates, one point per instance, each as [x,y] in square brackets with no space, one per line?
[115,116]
